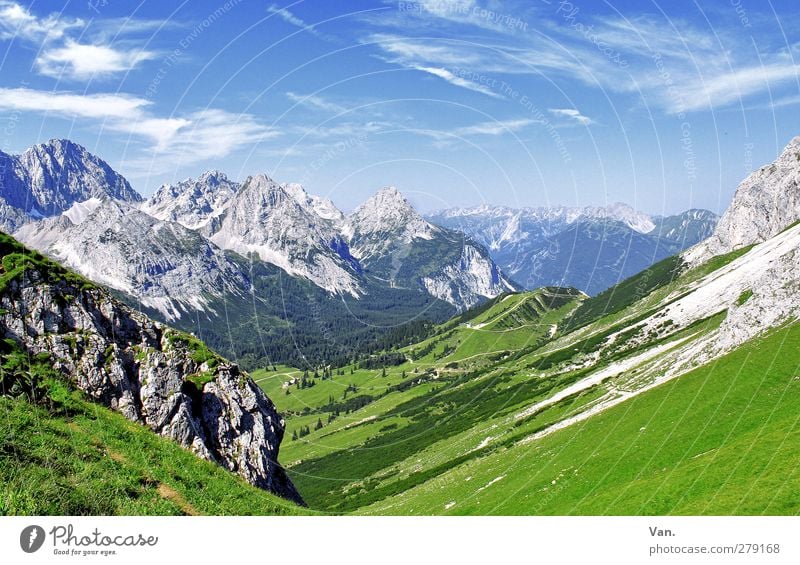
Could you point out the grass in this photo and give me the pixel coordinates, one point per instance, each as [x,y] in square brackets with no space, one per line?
[626,293]
[83,459]
[17,259]
[744,297]
[720,440]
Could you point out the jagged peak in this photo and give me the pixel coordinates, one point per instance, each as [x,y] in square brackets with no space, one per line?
[214,174]
[791,152]
[59,143]
[387,202]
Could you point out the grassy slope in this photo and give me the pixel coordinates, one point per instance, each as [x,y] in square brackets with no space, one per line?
[84,459]
[422,418]
[488,366]
[64,455]
[720,440]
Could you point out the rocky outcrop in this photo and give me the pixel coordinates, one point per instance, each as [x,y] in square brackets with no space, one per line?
[152,374]
[765,203]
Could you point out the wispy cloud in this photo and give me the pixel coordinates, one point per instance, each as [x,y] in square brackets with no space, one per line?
[96,106]
[292,19]
[491,128]
[674,64]
[495,128]
[571,114]
[193,137]
[344,130]
[316,101]
[457,81]
[78,61]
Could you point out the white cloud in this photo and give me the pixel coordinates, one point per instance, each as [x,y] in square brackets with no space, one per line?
[61,56]
[16,21]
[495,128]
[290,18]
[96,106]
[674,64]
[315,101]
[345,129]
[571,114]
[731,87]
[213,133]
[78,61]
[204,134]
[458,81]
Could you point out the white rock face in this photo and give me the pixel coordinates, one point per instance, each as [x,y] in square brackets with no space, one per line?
[765,203]
[166,266]
[383,221]
[193,203]
[283,227]
[464,283]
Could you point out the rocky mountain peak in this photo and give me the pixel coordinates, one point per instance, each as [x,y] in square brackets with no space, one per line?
[61,172]
[388,211]
[213,177]
[384,222]
[765,203]
[388,201]
[270,193]
[194,203]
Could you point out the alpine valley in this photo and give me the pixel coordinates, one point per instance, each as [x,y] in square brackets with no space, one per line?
[399,366]
[266,273]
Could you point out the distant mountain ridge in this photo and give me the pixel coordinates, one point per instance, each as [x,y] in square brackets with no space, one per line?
[590,248]
[229,260]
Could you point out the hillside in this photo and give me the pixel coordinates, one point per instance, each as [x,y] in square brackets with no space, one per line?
[72,457]
[61,332]
[552,402]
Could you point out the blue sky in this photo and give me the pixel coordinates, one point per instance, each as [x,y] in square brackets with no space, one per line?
[663,105]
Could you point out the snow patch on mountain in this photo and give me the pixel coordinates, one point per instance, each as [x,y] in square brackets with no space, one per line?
[79,211]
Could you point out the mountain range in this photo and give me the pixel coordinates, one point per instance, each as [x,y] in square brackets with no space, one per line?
[590,248]
[231,261]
